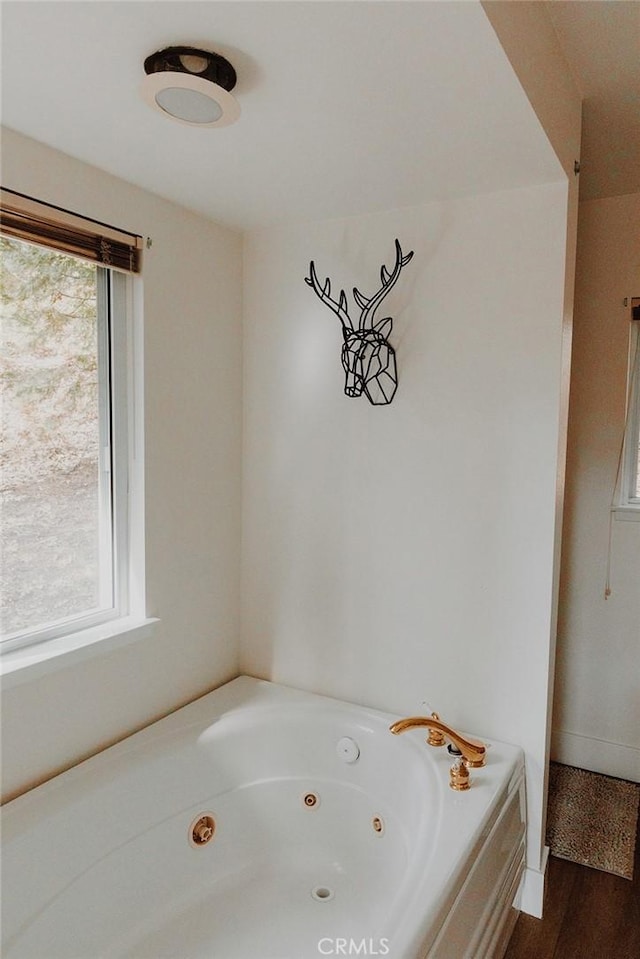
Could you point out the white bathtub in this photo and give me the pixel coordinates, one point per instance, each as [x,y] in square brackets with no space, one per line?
[383,859]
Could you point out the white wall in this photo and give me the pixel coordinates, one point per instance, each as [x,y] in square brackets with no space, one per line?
[400,554]
[192,302]
[597,699]
[529,39]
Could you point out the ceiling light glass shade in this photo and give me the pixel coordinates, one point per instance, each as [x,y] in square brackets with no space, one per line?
[190,99]
[188,105]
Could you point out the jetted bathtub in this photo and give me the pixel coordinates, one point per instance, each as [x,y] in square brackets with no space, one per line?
[261,822]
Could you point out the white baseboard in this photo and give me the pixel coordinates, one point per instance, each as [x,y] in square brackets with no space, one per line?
[530,898]
[598,755]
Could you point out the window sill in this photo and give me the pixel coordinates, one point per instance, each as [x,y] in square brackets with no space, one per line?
[626,514]
[31,662]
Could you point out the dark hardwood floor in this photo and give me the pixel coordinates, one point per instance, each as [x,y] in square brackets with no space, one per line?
[588,915]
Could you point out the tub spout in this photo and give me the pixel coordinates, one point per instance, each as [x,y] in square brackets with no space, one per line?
[473,751]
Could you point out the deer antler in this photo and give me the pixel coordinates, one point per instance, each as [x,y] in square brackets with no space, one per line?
[369,305]
[324,292]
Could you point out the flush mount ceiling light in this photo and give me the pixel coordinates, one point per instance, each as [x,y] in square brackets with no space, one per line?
[191,86]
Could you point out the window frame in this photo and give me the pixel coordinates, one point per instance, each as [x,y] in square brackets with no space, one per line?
[113,308]
[629,498]
[34,652]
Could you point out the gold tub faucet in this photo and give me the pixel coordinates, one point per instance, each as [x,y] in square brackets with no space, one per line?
[473,751]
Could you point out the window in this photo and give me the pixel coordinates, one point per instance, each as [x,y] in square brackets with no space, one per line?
[67,424]
[630,487]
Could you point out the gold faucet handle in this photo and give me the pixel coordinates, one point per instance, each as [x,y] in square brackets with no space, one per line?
[459,776]
[436,736]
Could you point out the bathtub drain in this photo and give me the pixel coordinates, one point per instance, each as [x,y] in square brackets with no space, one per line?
[322,893]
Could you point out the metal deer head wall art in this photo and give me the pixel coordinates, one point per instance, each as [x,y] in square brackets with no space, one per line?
[368,358]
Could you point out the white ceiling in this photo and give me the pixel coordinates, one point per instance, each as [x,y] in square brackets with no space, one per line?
[347,107]
[601,42]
